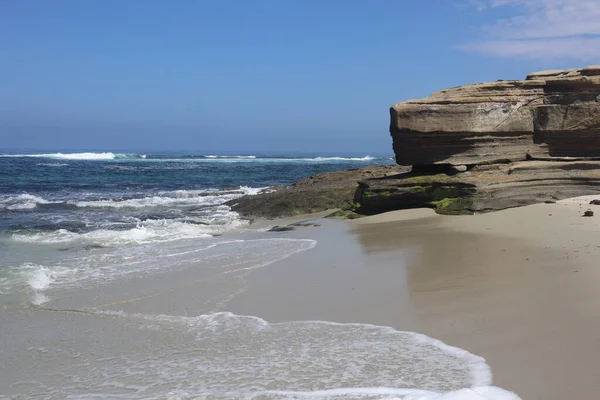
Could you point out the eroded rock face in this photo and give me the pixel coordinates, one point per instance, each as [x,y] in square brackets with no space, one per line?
[320,192]
[483,188]
[550,114]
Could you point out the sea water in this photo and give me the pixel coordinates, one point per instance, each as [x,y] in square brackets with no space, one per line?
[84,234]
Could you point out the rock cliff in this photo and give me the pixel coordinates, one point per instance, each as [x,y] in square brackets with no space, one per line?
[472,148]
[550,114]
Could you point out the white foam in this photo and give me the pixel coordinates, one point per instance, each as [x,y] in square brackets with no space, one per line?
[39,278]
[79,156]
[475,393]
[175,198]
[241,157]
[216,219]
[21,202]
[52,164]
[282,160]
[38,299]
[226,356]
[213,259]
[148,231]
[365,158]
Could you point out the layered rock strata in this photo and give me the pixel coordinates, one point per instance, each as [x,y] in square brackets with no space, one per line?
[549,114]
[483,188]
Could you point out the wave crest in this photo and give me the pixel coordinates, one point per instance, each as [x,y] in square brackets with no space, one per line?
[176,198]
[242,157]
[23,201]
[80,156]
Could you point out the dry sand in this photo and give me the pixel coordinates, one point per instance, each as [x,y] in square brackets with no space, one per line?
[520,287]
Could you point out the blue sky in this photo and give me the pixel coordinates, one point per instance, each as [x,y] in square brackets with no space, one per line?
[261,75]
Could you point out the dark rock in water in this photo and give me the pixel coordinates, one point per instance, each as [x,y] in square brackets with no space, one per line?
[317,193]
[194,222]
[595,202]
[344,214]
[166,214]
[588,213]
[93,246]
[278,228]
[304,224]
[550,202]
[87,247]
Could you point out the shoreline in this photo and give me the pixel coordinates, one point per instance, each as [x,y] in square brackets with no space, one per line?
[518,287]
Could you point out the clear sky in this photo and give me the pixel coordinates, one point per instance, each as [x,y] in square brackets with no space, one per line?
[260,75]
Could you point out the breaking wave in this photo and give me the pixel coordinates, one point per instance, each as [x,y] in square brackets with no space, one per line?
[149,231]
[288,159]
[365,158]
[21,202]
[242,157]
[81,156]
[52,164]
[110,156]
[173,198]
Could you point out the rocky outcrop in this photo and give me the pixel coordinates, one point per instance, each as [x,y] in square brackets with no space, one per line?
[550,114]
[473,148]
[333,190]
[483,188]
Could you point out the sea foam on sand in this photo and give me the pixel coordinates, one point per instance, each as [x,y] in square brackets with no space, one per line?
[227,356]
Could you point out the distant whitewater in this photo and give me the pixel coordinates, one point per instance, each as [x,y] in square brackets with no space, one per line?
[78,156]
[105,156]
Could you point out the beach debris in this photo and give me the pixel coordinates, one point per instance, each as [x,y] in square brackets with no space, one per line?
[293,226]
[588,213]
[278,228]
[550,202]
[304,224]
[595,202]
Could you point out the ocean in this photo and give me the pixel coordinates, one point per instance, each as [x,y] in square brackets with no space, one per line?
[83,236]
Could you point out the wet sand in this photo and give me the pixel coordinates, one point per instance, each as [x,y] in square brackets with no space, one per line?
[520,287]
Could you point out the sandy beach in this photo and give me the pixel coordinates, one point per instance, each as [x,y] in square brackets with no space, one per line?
[518,287]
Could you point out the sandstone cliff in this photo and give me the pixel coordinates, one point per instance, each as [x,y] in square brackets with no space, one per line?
[473,148]
[550,114]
